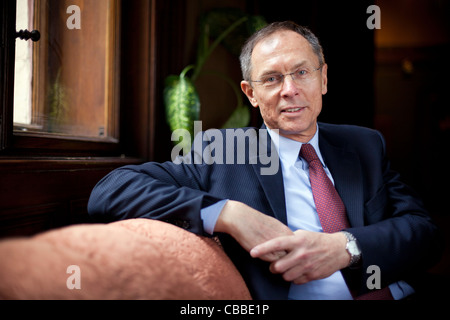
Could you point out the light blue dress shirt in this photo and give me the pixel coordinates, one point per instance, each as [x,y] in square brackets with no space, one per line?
[299,195]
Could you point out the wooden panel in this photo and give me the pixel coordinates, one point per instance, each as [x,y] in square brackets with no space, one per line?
[40,194]
[31,220]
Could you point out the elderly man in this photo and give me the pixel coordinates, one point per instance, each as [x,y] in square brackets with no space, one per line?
[313,228]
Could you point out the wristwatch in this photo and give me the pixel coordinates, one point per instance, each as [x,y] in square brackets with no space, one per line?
[353,249]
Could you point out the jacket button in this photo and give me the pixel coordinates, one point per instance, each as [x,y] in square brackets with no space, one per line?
[185,225]
[182,224]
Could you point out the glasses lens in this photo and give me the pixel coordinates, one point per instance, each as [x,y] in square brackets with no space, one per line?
[272,80]
[300,76]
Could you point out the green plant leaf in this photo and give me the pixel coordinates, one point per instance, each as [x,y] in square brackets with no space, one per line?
[218,20]
[207,51]
[255,23]
[241,115]
[182,102]
[239,118]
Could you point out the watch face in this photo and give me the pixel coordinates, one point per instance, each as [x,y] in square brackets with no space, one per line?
[353,248]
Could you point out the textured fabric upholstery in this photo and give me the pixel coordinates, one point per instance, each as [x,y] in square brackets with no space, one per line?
[130,259]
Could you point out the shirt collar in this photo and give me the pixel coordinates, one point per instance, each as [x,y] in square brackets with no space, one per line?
[289,149]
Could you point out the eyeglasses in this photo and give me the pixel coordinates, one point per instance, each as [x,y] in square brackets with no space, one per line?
[301,76]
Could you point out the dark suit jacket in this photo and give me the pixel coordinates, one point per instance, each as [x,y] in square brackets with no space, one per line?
[389,221]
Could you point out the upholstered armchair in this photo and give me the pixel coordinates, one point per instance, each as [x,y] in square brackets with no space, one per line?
[130,259]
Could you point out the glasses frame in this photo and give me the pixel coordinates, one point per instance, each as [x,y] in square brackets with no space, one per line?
[284,75]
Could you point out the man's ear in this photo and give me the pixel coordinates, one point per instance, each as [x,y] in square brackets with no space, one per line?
[324,79]
[249,92]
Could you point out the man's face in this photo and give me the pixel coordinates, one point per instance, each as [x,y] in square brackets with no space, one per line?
[289,107]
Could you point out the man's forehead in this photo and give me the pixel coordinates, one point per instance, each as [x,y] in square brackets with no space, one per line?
[286,44]
[279,40]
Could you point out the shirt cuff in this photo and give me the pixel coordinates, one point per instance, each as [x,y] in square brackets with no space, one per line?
[400,290]
[210,215]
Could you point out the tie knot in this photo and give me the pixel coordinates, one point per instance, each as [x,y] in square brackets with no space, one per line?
[308,153]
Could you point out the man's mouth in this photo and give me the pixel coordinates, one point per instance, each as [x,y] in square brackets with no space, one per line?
[292,110]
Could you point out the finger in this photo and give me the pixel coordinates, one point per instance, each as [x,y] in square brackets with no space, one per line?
[297,274]
[302,279]
[286,264]
[278,244]
[272,256]
[266,248]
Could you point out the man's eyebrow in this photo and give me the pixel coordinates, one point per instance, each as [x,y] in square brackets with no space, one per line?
[296,66]
[269,72]
[300,64]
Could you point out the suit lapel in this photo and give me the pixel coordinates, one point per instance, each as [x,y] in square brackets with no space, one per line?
[345,168]
[272,184]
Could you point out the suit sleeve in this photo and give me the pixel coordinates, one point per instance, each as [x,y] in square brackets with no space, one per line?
[399,236]
[169,192]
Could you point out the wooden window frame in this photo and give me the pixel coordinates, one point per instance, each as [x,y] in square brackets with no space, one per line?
[42,143]
[130,142]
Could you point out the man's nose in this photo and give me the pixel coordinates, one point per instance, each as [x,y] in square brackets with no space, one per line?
[289,87]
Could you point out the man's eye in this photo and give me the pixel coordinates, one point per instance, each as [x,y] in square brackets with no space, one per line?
[302,72]
[271,79]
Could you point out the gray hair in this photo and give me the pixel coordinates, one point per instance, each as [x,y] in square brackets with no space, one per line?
[247,49]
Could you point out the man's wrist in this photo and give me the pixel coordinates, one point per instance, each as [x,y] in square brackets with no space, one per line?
[353,250]
[225,220]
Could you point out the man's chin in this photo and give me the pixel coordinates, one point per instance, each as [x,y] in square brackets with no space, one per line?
[299,134]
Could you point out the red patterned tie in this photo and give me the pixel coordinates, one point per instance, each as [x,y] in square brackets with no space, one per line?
[330,208]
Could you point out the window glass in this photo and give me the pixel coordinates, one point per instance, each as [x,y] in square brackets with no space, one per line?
[65,84]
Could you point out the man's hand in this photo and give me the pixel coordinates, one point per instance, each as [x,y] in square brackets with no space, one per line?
[250,227]
[310,255]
